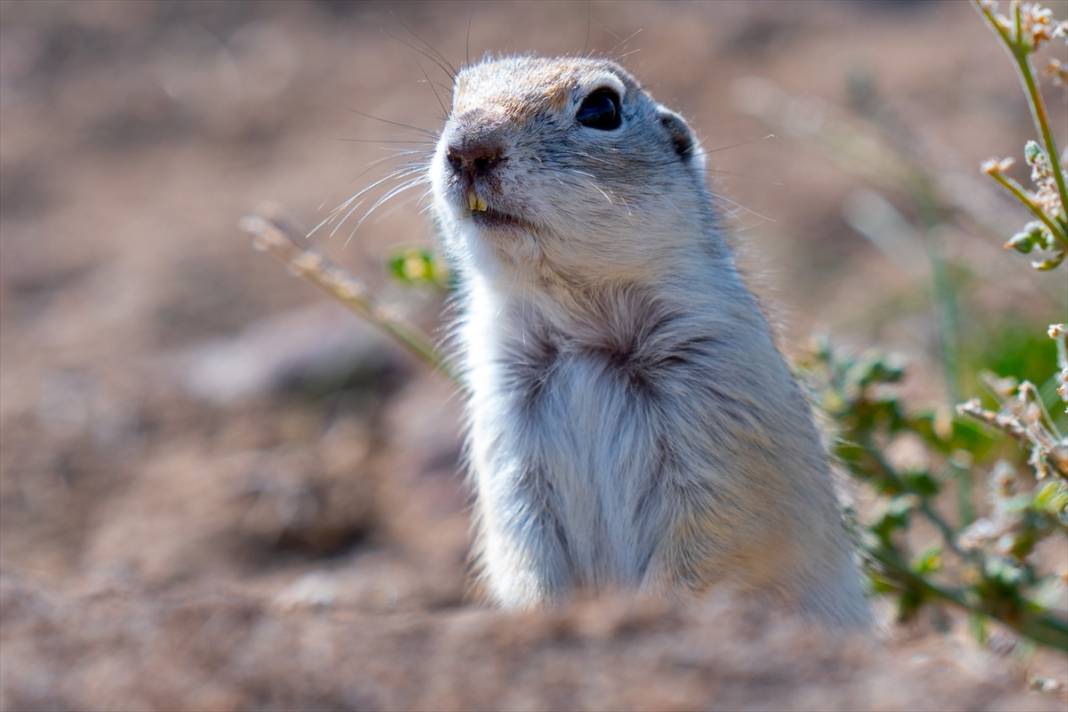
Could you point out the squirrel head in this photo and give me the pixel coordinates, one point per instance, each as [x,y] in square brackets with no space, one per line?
[566,169]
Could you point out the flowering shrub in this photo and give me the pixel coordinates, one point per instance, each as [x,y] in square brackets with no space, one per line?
[990,566]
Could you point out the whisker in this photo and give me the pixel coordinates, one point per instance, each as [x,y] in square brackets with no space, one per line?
[444,111]
[330,216]
[615,36]
[402,172]
[595,159]
[346,139]
[599,190]
[399,172]
[450,74]
[432,48]
[589,18]
[591,180]
[391,122]
[744,229]
[382,200]
[345,219]
[427,50]
[396,190]
[671,161]
[397,205]
[439,85]
[741,143]
[623,43]
[719,196]
[384,159]
[393,156]
[731,174]
[467,38]
[706,151]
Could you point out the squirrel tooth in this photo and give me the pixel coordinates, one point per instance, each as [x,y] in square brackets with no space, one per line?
[472,200]
[482,206]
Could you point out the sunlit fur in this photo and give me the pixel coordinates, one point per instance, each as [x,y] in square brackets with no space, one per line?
[632,423]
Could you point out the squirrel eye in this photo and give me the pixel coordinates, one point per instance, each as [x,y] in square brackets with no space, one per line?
[600,110]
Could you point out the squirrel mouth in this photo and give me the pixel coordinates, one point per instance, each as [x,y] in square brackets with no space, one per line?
[490,218]
[485,217]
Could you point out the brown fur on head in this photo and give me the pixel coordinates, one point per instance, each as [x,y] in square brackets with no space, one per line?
[523,87]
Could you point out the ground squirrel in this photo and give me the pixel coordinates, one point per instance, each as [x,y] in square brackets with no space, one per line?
[632,423]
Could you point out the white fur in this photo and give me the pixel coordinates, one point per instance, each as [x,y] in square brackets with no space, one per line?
[631,420]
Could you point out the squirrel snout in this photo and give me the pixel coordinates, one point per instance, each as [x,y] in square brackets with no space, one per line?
[474,158]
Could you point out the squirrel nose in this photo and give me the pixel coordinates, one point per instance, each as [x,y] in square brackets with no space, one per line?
[474,158]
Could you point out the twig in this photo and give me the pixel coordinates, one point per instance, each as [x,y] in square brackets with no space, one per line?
[274,236]
[926,508]
[1038,625]
[1055,453]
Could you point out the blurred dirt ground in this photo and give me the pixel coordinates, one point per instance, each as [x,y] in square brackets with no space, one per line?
[220,491]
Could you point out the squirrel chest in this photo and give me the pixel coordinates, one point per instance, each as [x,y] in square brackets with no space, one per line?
[576,438]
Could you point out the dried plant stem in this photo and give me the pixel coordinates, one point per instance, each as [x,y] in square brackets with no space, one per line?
[1020,49]
[1005,423]
[949,538]
[1054,453]
[1036,398]
[272,235]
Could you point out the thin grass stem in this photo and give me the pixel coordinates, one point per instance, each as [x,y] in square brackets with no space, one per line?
[272,235]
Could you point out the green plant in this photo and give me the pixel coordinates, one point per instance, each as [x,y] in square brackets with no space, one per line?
[989,567]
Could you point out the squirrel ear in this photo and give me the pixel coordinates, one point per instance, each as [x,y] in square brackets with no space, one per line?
[682,137]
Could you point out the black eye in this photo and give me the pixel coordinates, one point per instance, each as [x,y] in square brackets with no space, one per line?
[600,110]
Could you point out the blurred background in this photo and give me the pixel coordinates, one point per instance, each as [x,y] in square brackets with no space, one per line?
[196,445]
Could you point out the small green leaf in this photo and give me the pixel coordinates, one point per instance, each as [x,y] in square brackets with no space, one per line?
[929,562]
[1032,152]
[1051,263]
[960,433]
[1006,575]
[881,586]
[977,625]
[1018,503]
[921,482]
[1022,242]
[895,516]
[909,604]
[416,266]
[1052,498]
